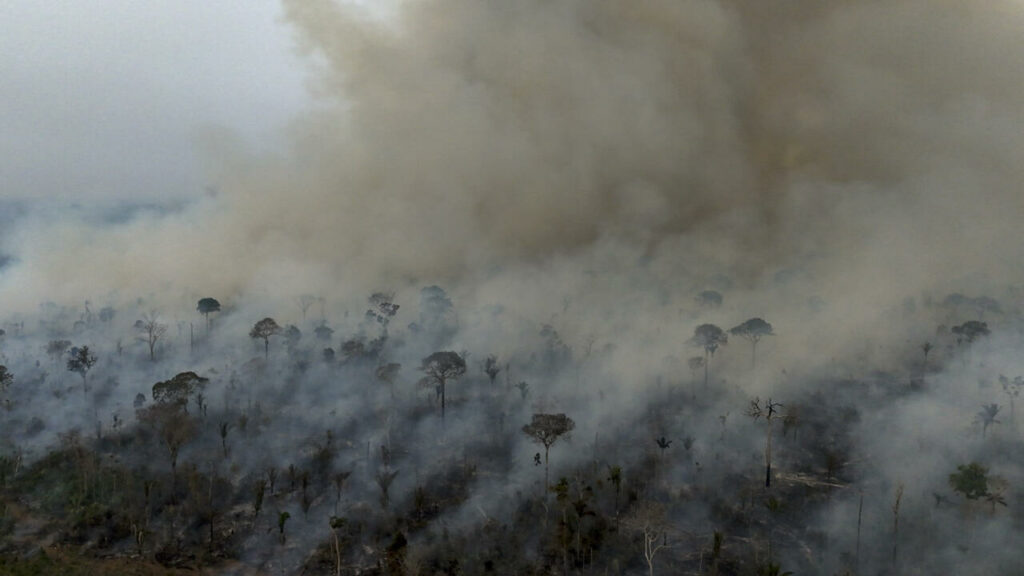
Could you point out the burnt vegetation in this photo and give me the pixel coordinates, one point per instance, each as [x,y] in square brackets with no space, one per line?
[407,458]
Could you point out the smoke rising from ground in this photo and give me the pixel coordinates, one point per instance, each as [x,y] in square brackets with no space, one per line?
[573,173]
[874,142]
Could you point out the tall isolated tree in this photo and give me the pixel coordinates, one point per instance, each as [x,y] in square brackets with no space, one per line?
[207,306]
[987,417]
[752,331]
[491,368]
[81,361]
[263,330]
[304,302]
[152,330]
[709,337]
[546,429]
[440,367]
[767,410]
[648,520]
[970,331]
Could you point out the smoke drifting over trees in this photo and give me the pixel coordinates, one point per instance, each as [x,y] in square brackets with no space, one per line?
[544,195]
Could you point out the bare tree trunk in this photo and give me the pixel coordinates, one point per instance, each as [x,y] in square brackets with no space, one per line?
[545,471]
[856,554]
[896,523]
[707,362]
[337,554]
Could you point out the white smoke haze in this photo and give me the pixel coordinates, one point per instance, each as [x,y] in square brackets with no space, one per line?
[836,168]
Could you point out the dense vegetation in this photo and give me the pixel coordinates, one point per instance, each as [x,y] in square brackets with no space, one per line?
[397,451]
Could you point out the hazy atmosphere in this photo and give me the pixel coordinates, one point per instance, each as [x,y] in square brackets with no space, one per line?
[764,256]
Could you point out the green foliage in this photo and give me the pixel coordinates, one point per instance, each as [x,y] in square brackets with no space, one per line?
[81,361]
[971,480]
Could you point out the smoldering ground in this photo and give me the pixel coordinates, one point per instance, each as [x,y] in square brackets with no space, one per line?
[592,166]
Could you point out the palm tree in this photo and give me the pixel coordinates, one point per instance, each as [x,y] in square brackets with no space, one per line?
[987,417]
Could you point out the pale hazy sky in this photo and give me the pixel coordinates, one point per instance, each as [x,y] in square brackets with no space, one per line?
[105,99]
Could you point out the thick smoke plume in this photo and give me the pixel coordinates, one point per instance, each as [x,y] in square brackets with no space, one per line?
[872,141]
[574,174]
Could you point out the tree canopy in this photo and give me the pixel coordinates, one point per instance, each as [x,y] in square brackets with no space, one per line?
[752,330]
[971,480]
[971,330]
[709,337]
[440,367]
[177,390]
[263,330]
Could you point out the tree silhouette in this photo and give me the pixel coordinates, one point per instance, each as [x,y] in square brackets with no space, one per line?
[970,480]
[382,308]
[56,348]
[384,479]
[304,302]
[206,306]
[752,331]
[491,368]
[709,337]
[81,361]
[767,410]
[524,389]
[177,390]
[709,299]
[546,429]
[987,417]
[615,477]
[970,331]
[323,332]
[648,520]
[282,519]
[440,367]
[6,378]
[152,330]
[337,524]
[263,330]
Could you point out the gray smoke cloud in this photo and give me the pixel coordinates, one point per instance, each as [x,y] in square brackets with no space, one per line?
[875,142]
[592,165]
